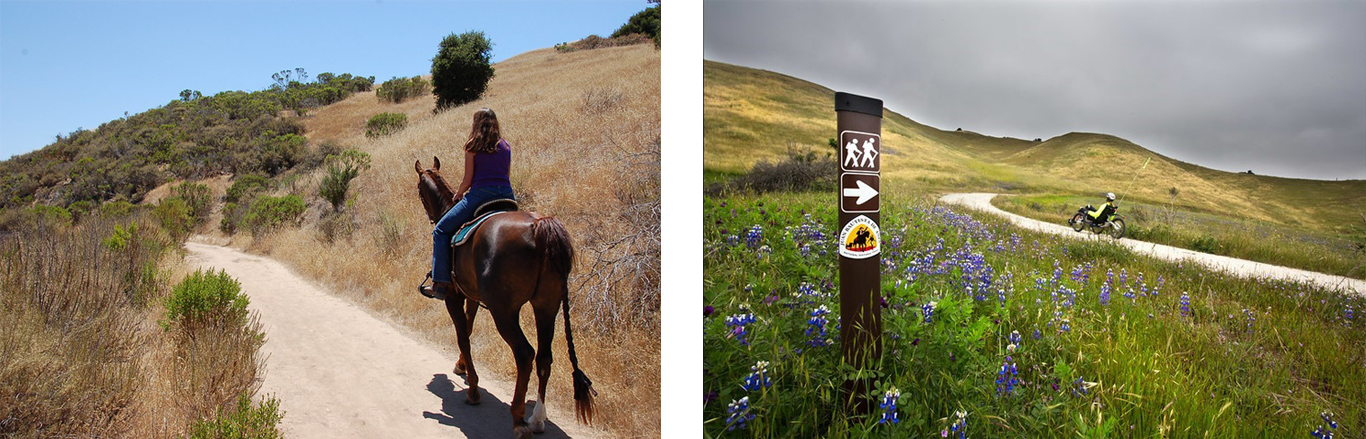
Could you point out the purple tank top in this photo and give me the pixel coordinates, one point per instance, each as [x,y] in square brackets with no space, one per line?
[491,169]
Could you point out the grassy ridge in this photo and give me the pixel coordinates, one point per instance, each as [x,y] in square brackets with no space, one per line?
[1343,255]
[752,115]
[1110,343]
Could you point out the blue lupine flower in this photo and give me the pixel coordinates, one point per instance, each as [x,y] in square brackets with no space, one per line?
[763,251]
[1006,378]
[1066,326]
[737,323]
[732,240]
[1250,318]
[889,407]
[815,327]
[1037,334]
[738,414]
[959,427]
[1078,387]
[1325,433]
[1014,337]
[1348,312]
[1123,276]
[756,234]
[928,311]
[758,377]
[1185,304]
[1105,293]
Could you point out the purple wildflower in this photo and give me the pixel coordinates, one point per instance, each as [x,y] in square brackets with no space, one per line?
[738,414]
[758,377]
[889,407]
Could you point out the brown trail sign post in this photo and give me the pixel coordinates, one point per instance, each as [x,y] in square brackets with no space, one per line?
[859,124]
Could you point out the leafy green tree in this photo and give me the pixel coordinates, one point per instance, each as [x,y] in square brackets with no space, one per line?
[645,22]
[461,69]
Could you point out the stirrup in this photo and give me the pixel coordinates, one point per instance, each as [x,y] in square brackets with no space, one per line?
[422,287]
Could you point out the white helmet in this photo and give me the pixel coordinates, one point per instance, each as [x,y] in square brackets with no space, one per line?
[1109,196]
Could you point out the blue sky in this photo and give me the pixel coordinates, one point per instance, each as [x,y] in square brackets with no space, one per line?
[67,64]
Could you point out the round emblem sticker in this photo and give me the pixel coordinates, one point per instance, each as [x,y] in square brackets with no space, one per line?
[859,239]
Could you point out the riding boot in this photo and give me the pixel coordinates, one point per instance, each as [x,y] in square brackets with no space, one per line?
[439,290]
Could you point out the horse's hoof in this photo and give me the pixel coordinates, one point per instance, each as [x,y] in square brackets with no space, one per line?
[521,431]
[472,396]
[460,368]
[537,418]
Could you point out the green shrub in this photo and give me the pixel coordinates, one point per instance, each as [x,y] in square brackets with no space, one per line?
[245,185]
[461,69]
[232,214]
[267,213]
[384,124]
[400,89]
[1207,244]
[212,298]
[82,209]
[341,169]
[116,209]
[175,217]
[246,421]
[197,196]
[645,22]
[51,214]
[121,237]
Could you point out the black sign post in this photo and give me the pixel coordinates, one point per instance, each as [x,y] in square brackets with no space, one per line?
[859,125]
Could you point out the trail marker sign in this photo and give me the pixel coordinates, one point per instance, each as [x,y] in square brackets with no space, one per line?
[858,120]
[859,192]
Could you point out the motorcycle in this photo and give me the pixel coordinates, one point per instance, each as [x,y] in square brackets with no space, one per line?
[1082,221]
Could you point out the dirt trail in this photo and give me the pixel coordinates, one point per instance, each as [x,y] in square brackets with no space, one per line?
[341,373]
[1239,267]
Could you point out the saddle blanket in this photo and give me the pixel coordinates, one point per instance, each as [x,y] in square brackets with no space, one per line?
[468,229]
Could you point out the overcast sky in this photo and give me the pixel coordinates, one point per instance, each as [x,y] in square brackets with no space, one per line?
[1277,87]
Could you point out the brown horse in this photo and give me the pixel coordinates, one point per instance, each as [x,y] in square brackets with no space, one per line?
[513,259]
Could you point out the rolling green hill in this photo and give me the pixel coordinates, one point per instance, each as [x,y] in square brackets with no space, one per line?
[752,115]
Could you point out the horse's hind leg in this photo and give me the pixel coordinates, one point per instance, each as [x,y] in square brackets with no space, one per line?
[462,336]
[471,309]
[545,337]
[509,326]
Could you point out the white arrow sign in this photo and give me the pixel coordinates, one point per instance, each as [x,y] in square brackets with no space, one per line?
[864,192]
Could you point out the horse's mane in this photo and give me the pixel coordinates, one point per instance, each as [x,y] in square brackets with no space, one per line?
[443,190]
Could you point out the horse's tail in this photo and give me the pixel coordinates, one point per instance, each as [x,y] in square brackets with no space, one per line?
[558,253]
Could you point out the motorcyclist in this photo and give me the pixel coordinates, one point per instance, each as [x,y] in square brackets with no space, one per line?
[1102,214]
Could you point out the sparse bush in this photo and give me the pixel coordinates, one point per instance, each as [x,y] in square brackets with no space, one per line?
[397,90]
[81,209]
[206,298]
[198,197]
[390,238]
[384,124]
[121,237]
[175,216]
[267,213]
[598,100]
[335,225]
[52,215]
[232,214]
[1207,244]
[245,185]
[461,69]
[245,421]
[803,170]
[116,209]
[341,169]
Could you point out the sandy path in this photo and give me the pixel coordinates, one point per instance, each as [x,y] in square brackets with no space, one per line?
[341,373]
[1239,267]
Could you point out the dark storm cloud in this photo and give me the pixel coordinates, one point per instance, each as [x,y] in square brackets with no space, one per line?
[1275,87]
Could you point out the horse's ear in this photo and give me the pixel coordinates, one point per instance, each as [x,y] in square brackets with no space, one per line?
[436,163]
[417,166]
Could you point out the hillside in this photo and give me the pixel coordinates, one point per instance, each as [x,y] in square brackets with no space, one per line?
[752,115]
[584,127]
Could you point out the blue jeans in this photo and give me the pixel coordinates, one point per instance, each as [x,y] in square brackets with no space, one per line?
[462,213]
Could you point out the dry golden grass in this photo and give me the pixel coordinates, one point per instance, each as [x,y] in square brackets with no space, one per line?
[585,130]
[81,354]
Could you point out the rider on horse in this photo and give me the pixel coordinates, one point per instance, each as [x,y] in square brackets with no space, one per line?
[487,160]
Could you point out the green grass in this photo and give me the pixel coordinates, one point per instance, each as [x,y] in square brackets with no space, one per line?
[1209,232]
[1148,368]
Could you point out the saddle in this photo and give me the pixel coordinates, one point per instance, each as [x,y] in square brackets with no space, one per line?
[481,214]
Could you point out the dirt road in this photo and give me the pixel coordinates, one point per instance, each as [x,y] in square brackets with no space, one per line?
[341,373]
[1239,267]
